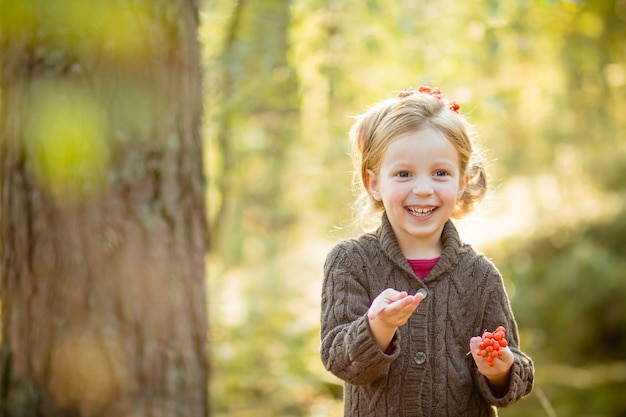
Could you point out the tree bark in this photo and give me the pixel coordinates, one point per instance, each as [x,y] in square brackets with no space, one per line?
[102,213]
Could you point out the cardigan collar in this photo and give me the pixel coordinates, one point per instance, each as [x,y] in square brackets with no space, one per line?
[450,240]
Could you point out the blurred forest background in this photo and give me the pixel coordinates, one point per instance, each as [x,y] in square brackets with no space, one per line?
[544,84]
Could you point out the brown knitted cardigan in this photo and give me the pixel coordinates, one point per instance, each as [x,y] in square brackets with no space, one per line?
[428,372]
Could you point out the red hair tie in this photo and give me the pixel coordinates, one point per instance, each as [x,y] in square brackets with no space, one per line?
[435,92]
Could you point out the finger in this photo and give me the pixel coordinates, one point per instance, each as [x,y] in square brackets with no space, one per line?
[375,310]
[408,310]
[399,296]
[388,294]
[404,308]
[419,297]
[384,298]
[412,302]
[474,346]
[475,342]
[507,355]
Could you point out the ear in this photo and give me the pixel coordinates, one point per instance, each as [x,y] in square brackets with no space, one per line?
[371,179]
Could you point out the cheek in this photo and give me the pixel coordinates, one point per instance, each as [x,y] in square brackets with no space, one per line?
[397,192]
[454,192]
[447,190]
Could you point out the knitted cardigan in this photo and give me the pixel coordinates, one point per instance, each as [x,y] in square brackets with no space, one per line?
[427,372]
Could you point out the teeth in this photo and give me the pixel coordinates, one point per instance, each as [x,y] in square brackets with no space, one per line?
[421,211]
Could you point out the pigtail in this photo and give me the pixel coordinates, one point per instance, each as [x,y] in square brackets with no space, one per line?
[475,190]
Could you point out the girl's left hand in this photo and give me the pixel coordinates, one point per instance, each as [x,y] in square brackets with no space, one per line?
[498,374]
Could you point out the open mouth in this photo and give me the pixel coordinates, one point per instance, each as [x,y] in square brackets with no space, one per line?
[421,212]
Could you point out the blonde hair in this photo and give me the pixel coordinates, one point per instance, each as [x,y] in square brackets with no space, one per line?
[408,113]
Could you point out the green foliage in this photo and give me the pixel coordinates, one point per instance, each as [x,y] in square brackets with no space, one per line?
[569,297]
[570,289]
[261,367]
[544,84]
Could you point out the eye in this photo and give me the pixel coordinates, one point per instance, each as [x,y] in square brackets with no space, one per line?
[402,174]
[441,173]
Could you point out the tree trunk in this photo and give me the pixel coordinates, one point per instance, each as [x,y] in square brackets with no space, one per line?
[102,210]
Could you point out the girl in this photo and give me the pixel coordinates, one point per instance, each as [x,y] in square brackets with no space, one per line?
[401,306]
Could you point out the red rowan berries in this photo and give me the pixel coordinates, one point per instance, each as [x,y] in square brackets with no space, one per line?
[491,345]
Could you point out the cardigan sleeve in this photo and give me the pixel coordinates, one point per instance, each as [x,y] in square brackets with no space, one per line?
[498,312]
[349,349]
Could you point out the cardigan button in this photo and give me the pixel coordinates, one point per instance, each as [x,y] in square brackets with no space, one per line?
[422,291]
[420,358]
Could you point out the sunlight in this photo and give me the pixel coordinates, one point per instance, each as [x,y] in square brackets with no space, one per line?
[526,207]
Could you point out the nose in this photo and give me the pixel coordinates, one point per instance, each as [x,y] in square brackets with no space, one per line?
[422,186]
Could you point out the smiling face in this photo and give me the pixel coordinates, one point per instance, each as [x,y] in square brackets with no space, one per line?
[418,182]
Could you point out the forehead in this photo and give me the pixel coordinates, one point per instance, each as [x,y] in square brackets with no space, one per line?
[423,145]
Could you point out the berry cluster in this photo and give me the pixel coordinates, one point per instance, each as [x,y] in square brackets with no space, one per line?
[491,346]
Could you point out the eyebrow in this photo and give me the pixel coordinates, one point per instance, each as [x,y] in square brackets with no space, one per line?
[406,162]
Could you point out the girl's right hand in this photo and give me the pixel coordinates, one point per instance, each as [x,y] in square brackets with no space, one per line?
[393,308]
[388,311]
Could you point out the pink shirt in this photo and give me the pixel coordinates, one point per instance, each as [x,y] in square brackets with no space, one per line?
[422,267]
